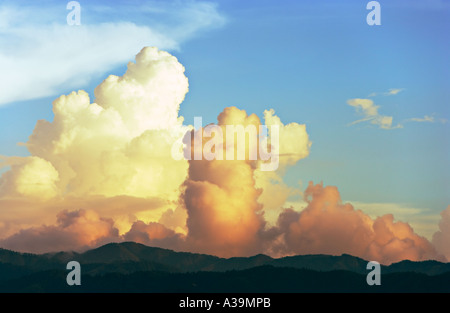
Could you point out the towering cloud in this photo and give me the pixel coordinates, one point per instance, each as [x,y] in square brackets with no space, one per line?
[121,143]
[116,146]
[224,216]
[222,197]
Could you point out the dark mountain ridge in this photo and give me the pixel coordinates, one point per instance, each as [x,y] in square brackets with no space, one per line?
[133,267]
[171,261]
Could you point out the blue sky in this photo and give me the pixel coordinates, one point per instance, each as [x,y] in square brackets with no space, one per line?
[304,59]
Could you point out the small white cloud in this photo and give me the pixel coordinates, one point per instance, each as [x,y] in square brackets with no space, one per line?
[369,110]
[393,91]
[366,106]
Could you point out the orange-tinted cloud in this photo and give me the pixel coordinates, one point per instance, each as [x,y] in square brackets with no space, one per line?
[155,235]
[328,226]
[224,216]
[225,198]
[74,230]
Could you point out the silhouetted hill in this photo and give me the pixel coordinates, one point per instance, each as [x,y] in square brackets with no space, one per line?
[424,267]
[131,251]
[128,261]
[323,262]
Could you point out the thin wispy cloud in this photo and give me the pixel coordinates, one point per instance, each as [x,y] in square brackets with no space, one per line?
[43,55]
[369,110]
[390,92]
[427,119]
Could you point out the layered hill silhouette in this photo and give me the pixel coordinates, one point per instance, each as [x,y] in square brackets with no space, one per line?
[133,267]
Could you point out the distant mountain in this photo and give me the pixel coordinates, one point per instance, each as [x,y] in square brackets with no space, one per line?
[109,255]
[104,268]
